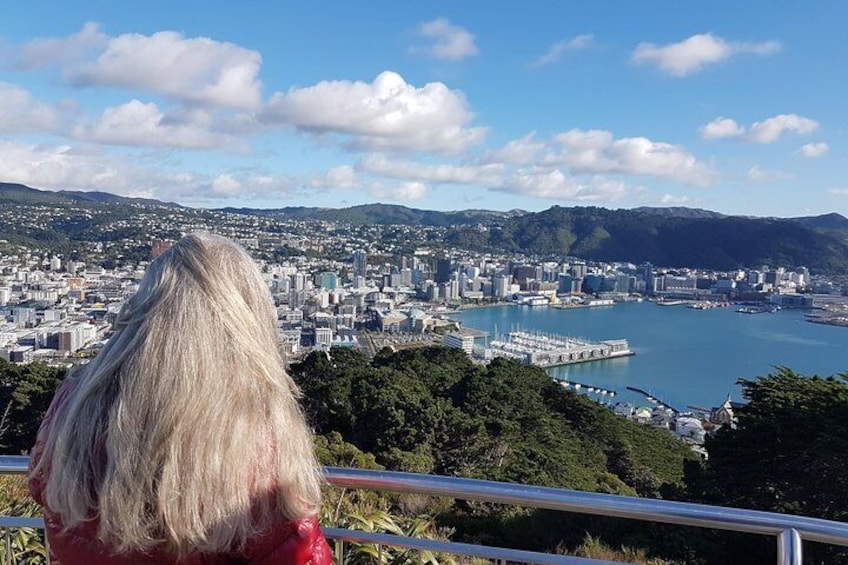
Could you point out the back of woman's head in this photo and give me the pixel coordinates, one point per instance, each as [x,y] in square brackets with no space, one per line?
[185,431]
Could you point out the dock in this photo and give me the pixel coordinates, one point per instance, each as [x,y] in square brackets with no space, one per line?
[549,350]
[583,387]
[653,399]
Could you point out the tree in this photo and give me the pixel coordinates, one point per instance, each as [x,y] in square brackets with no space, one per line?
[787,454]
[26,392]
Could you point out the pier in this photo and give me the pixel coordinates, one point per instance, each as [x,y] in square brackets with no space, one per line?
[583,387]
[548,350]
[653,399]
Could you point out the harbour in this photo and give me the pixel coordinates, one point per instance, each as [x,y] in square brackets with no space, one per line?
[683,356]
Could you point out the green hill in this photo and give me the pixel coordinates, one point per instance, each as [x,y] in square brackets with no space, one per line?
[630,235]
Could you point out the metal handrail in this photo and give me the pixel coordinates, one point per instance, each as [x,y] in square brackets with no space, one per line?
[789,530]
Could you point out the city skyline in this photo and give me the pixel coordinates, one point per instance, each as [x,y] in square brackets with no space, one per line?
[730,108]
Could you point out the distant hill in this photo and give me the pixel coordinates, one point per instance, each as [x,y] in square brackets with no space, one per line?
[723,242]
[678,212]
[675,236]
[22,194]
[12,193]
[382,214]
[824,222]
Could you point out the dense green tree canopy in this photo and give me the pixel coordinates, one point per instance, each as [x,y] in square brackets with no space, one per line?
[433,410]
[787,454]
[25,394]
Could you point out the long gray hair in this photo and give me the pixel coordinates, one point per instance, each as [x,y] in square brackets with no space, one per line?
[185,433]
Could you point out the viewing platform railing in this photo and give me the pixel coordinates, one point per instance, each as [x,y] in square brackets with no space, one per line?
[789,531]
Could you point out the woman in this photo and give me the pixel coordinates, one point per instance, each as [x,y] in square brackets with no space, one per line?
[183,441]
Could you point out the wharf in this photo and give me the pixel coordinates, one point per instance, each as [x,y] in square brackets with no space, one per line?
[548,350]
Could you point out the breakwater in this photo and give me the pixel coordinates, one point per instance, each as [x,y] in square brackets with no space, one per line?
[653,399]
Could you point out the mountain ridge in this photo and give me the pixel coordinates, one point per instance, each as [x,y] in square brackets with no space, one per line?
[675,236]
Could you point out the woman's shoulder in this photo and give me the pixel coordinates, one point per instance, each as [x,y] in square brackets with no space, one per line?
[299,542]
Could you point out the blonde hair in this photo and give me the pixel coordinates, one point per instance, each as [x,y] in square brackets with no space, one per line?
[185,431]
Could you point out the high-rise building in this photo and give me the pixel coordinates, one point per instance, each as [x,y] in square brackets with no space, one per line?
[443,270]
[360,263]
[500,286]
[648,277]
[328,280]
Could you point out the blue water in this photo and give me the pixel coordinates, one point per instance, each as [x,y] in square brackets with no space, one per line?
[683,356]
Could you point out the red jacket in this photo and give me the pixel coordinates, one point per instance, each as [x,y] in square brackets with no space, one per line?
[296,543]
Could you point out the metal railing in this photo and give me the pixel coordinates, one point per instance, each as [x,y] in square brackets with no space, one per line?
[790,531]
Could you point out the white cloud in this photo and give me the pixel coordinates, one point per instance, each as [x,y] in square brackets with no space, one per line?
[767,131]
[691,55]
[597,151]
[770,130]
[757,174]
[540,182]
[491,174]
[839,191]
[721,128]
[404,192]
[342,176]
[385,115]
[672,200]
[66,167]
[138,124]
[450,42]
[87,168]
[522,151]
[195,70]
[40,53]
[20,113]
[814,149]
[226,185]
[556,51]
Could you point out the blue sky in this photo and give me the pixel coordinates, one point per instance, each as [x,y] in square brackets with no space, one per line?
[735,107]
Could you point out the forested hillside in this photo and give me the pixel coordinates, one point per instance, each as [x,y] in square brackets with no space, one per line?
[672,240]
[433,411]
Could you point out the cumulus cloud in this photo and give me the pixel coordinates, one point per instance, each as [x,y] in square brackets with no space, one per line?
[342,176]
[449,42]
[86,168]
[814,149]
[691,55]
[199,69]
[541,182]
[597,151]
[194,70]
[404,192]
[45,52]
[522,151]
[766,131]
[556,51]
[20,113]
[65,167]
[721,128]
[385,115]
[144,124]
[757,174]
[490,174]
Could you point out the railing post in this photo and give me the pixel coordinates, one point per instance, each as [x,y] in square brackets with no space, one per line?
[790,549]
[338,547]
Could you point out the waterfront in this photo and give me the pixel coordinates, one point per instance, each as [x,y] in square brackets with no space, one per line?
[683,355]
